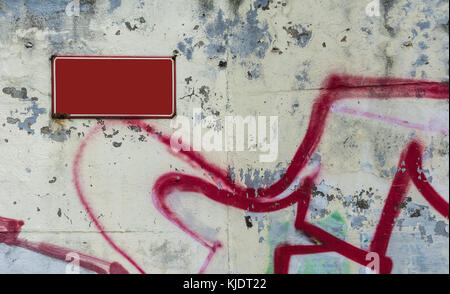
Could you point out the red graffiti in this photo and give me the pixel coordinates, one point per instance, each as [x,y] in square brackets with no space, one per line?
[407,172]
[9,234]
[222,189]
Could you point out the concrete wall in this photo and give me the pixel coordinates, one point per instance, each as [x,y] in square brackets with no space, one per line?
[86,185]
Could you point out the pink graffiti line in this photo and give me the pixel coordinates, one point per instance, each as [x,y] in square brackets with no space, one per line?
[9,235]
[85,203]
[277,196]
[439,128]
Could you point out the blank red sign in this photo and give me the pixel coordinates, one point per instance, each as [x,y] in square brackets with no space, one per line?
[100,86]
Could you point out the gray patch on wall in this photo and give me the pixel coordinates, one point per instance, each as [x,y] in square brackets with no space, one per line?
[300,33]
[387,6]
[31,112]
[440,229]
[241,37]
[58,135]
[255,178]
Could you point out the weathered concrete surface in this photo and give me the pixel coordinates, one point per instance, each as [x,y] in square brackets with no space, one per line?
[246,57]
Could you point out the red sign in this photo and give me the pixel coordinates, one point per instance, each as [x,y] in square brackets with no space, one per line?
[113,86]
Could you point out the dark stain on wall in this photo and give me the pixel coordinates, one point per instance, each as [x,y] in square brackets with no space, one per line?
[248,222]
[387,6]
[206,5]
[235,4]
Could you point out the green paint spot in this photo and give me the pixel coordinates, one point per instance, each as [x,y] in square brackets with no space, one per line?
[335,224]
[323,264]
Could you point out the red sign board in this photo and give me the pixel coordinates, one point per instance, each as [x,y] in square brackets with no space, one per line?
[113,86]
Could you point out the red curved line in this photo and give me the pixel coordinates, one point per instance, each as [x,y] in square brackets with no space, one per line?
[85,203]
[9,234]
[409,164]
[334,88]
[408,171]
[413,165]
